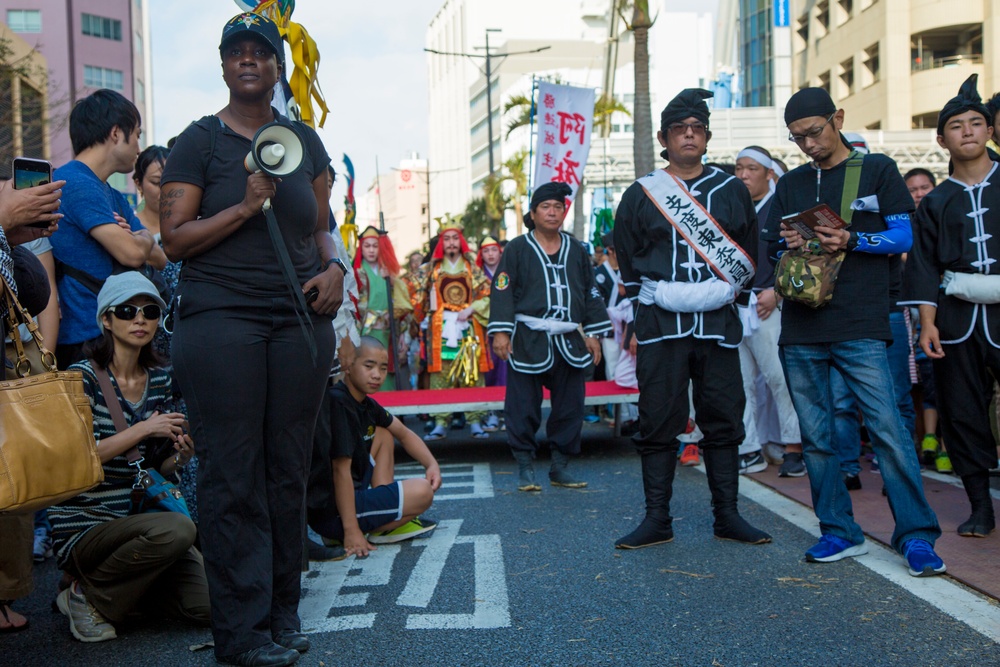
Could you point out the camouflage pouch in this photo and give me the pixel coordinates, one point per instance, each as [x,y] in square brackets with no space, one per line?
[807,275]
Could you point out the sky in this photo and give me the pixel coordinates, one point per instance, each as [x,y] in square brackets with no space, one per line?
[373,72]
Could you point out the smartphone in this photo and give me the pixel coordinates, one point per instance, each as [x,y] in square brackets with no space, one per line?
[28,173]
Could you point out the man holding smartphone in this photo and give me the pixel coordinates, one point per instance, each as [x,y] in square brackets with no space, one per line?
[100,233]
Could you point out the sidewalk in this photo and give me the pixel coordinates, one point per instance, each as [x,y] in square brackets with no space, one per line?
[972,561]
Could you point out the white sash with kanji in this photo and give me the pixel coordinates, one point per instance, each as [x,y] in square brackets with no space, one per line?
[696,226]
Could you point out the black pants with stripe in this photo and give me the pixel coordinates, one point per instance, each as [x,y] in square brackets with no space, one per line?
[523,407]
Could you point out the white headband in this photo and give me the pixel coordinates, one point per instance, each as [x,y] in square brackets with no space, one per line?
[757,157]
[778,171]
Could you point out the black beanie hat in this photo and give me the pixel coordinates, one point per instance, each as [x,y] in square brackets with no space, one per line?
[807,103]
[968,99]
[545,192]
[689,103]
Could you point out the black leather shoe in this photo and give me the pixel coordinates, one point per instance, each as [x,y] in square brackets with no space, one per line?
[269,655]
[293,640]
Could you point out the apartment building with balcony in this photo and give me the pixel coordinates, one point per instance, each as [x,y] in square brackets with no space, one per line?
[87,44]
[892,64]
[24,108]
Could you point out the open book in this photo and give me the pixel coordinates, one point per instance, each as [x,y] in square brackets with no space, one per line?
[818,216]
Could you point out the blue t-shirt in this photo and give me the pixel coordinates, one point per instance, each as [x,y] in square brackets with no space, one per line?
[87,202]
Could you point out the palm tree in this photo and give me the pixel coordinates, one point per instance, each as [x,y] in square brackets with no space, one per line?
[514,170]
[604,106]
[642,138]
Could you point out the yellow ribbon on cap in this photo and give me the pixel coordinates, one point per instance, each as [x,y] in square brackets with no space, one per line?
[304,81]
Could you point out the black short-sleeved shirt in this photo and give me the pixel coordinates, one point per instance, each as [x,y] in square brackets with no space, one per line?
[860,304]
[353,427]
[245,261]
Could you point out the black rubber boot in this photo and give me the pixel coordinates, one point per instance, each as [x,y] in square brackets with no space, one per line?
[657,483]
[559,476]
[982,522]
[526,471]
[722,467]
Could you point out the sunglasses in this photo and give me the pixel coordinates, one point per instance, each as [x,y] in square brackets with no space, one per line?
[128,312]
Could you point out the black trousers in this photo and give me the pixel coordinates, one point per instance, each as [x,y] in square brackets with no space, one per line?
[964,380]
[253,393]
[523,407]
[664,370]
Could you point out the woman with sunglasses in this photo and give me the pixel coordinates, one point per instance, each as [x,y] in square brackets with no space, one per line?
[121,562]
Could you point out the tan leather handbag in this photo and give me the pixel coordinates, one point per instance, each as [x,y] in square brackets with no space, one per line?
[47,449]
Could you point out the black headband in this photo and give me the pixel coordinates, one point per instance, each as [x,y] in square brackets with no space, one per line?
[689,103]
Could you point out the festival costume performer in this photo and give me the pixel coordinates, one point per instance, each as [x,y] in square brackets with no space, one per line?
[375,261]
[488,259]
[850,333]
[684,273]
[456,303]
[958,237]
[251,356]
[761,327]
[536,331]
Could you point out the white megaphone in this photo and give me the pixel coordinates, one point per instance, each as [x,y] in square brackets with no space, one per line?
[277,151]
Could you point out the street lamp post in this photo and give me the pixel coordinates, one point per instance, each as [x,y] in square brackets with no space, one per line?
[487,71]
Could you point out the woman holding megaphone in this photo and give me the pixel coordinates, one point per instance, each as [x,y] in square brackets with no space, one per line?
[244,206]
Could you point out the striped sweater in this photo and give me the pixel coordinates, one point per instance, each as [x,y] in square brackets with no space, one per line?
[109,500]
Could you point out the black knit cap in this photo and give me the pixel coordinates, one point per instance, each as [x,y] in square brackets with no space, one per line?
[807,103]
[968,99]
[545,192]
[689,103]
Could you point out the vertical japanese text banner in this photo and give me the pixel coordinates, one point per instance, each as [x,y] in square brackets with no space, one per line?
[565,120]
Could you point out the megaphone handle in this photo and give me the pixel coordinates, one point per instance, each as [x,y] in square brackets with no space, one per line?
[267,205]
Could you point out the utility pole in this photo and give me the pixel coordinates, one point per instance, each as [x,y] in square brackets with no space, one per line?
[487,71]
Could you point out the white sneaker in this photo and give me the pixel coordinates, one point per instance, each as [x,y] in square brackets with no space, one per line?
[85,622]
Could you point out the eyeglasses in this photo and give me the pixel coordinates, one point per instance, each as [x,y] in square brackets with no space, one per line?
[812,133]
[128,312]
[680,129]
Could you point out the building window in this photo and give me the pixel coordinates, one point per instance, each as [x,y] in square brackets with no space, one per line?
[138,43]
[870,73]
[99,26]
[847,77]
[101,77]
[140,92]
[802,30]
[823,17]
[24,20]
[846,10]
[824,81]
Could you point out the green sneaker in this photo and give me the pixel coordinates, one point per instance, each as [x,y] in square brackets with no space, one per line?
[407,531]
[929,449]
[943,464]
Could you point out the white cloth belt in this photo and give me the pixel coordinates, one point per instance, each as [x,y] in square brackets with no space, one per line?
[974,287]
[678,297]
[553,327]
[452,330]
[749,316]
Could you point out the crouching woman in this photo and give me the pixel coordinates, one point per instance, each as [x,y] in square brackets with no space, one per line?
[123,563]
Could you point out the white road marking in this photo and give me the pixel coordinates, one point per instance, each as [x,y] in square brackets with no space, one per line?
[492,603]
[964,605]
[459,481]
[427,572]
[321,586]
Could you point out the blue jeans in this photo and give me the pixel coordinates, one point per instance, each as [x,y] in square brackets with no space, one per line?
[899,366]
[865,369]
[846,425]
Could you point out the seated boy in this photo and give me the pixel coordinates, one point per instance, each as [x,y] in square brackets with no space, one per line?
[367,500]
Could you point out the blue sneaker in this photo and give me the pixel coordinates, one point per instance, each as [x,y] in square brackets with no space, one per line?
[831,548]
[920,556]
